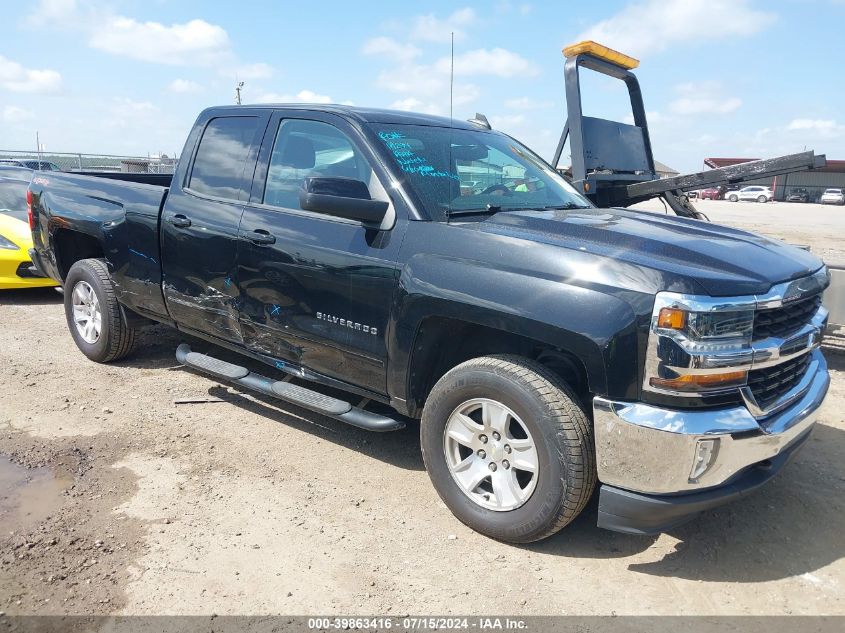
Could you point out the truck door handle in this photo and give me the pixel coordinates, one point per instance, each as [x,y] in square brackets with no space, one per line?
[260,236]
[179,221]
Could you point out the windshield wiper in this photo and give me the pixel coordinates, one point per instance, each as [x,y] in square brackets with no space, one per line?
[495,208]
[490,208]
[566,205]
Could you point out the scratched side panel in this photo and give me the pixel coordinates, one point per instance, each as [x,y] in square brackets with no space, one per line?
[199,281]
[137,266]
[122,217]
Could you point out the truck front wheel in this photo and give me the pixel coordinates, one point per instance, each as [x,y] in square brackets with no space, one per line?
[93,314]
[508,448]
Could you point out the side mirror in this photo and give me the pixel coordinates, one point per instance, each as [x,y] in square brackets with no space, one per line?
[341,197]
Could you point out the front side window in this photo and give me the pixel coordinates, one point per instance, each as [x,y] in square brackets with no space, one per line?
[310,148]
[219,165]
[456,171]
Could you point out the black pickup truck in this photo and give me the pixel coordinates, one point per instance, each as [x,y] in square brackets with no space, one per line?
[444,269]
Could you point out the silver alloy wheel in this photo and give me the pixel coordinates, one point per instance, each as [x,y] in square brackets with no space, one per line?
[86,312]
[491,454]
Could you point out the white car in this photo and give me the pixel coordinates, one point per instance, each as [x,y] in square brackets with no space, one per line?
[753,193]
[833,196]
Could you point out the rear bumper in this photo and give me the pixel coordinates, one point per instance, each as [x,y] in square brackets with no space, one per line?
[645,455]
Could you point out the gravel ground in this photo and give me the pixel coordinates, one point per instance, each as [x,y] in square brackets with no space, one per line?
[113,499]
[819,226]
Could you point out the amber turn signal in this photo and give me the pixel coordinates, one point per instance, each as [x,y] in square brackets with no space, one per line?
[693,382]
[672,318]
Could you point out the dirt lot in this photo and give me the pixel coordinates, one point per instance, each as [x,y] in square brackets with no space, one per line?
[113,499]
[819,226]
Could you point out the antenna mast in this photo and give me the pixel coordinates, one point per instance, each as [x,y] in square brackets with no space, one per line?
[238,92]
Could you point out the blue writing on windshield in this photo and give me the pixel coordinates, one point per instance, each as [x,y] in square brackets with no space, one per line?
[408,160]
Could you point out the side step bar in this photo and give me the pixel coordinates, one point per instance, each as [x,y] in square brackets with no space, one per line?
[300,396]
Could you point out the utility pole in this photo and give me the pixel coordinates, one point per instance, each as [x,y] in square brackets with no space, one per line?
[238,92]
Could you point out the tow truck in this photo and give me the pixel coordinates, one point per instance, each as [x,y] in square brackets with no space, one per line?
[613,164]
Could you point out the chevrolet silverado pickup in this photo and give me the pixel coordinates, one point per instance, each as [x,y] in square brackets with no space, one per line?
[547,347]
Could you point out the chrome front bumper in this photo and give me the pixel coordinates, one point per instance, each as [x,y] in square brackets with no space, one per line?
[649,449]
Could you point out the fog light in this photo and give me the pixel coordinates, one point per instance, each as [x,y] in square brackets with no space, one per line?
[705,456]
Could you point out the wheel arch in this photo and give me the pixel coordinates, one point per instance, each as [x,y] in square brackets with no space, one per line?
[442,343]
[71,246]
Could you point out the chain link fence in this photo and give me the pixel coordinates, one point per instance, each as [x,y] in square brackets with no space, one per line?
[65,161]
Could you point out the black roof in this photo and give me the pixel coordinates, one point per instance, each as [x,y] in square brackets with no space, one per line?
[363,115]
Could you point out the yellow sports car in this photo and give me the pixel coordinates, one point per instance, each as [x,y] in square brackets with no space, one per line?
[16,270]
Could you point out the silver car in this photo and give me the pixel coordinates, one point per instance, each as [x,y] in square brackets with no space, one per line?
[833,196]
[754,193]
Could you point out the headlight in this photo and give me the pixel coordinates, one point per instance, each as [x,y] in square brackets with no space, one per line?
[8,244]
[698,347]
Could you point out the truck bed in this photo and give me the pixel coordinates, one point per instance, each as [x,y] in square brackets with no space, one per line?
[113,209]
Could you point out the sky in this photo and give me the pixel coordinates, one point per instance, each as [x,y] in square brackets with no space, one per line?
[729,78]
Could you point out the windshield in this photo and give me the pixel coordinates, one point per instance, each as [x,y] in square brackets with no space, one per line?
[456,172]
[13,199]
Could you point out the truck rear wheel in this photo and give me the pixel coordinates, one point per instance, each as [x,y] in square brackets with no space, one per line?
[93,314]
[507,448]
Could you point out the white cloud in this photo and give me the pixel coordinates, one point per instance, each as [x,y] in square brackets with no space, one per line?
[651,116]
[183,86]
[430,28]
[391,49]
[53,12]
[132,107]
[655,25]
[196,42]
[705,105]
[505,7]
[498,61]
[412,104]
[247,72]
[819,125]
[303,96]
[426,87]
[16,78]
[14,114]
[507,121]
[816,128]
[527,103]
[703,97]
[192,43]
[122,113]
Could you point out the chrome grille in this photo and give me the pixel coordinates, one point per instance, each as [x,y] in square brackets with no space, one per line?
[770,383]
[782,321]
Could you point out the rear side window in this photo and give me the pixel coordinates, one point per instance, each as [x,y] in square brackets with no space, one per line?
[219,165]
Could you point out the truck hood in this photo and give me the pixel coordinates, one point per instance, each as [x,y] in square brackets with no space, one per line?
[723,260]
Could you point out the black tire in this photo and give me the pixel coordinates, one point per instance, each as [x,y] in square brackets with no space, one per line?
[733,198]
[761,199]
[562,433]
[116,339]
